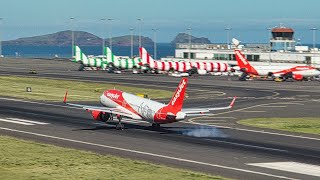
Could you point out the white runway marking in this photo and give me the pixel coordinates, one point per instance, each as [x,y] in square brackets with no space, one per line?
[16,122]
[22,121]
[147,153]
[28,121]
[273,106]
[247,145]
[253,111]
[294,167]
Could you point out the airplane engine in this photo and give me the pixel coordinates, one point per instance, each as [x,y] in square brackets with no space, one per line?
[297,77]
[100,116]
[245,70]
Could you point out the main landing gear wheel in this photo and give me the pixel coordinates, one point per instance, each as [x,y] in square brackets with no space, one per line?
[119,126]
[155,126]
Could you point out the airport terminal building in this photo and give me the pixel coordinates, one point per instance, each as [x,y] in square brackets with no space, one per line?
[282,48]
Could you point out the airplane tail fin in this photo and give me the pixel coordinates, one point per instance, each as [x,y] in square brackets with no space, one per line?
[177,99]
[242,62]
[80,56]
[110,56]
[145,56]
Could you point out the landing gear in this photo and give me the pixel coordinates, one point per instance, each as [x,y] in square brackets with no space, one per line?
[119,126]
[81,67]
[243,77]
[155,126]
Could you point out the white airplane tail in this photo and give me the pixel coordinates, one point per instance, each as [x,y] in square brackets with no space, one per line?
[145,56]
[110,56]
[80,56]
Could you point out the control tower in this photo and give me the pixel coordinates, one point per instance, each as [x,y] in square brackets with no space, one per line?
[282,39]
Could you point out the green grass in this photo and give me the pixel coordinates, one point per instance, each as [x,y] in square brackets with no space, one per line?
[54,90]
[302,125]
[20,159]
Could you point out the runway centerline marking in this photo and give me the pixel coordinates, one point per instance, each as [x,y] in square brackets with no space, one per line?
[22,121]
[247,145]
[28,121]
[146,153]
[300,168]
[273,106]
[253,111]
[16,122]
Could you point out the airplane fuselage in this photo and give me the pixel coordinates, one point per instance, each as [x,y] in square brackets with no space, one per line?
[297,72]
[141,108]
[278,71]
[185,66]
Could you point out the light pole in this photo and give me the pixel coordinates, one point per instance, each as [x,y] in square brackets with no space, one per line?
[269,37]
[0,38]
[154,43]
[190,31]
[131,34]
[228,29]
[72,36]
[269,34]
[140,22]
[103,39]
[110,33]
[314,29]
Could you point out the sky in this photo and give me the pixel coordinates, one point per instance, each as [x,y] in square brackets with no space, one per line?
[249,19]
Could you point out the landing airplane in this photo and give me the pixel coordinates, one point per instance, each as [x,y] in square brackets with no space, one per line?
[199,67]
[122,104]
[283,72]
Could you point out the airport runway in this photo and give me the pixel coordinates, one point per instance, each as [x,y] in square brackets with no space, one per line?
[215,144]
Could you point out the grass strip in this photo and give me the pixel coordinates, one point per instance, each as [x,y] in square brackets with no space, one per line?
[308,125]
[54,90]
[21,159]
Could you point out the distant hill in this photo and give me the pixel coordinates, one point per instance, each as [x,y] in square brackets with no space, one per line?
[126,41]
[63,38]
[184,38]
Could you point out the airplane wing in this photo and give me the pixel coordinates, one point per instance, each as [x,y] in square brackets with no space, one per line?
[204,111]
[98,108]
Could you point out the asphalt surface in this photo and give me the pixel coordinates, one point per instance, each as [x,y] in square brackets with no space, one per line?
[213,144]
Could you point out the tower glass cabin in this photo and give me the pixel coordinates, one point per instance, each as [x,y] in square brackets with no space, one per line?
[282,39]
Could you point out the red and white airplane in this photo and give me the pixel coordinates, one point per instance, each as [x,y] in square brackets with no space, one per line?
[122,104]
[201,66]
[283,72]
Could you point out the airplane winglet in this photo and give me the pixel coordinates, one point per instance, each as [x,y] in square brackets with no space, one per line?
[65,97]
[233,101]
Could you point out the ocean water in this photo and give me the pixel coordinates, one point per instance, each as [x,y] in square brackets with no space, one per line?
[163,50]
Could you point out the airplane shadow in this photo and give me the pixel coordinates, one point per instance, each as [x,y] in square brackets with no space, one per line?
[162,130]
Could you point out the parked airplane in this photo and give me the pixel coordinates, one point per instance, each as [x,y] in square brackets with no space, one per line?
[200,66]
[108,61]
[282,72]
[89,62]
[123,62]
[122,104]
